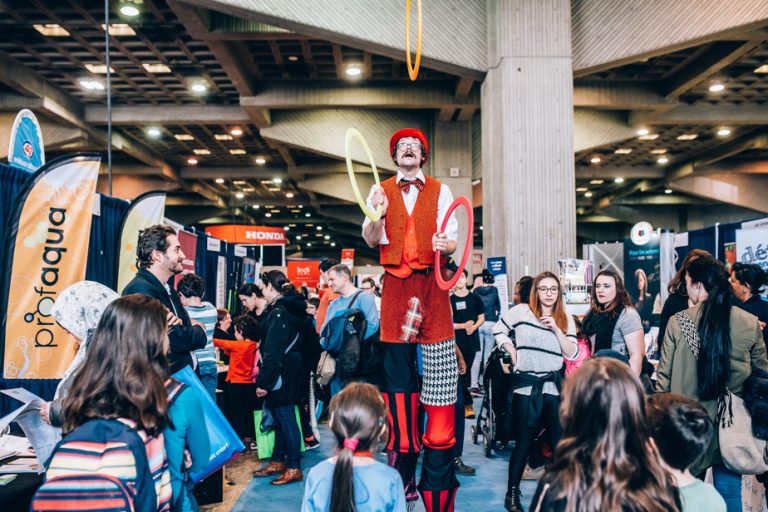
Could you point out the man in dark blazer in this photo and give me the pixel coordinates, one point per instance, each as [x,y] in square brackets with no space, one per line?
[159,257]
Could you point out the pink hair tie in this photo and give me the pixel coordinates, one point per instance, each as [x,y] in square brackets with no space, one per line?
[351,444]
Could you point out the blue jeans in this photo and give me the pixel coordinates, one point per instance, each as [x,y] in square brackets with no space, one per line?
[209,376]
[287,437]
[728,484]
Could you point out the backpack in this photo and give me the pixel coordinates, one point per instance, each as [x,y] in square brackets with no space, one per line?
[102,464]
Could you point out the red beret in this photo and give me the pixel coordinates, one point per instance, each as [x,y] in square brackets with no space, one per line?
[410,132]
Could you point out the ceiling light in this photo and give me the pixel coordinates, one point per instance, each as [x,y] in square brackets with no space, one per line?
[762,69]
[595,160]
[119,29]
[295,211]
[619,180]
[260,160]
[333,244]
[51,30]
[192,161]
[353,71]
[623,151]
[289,195]
[663,160]
[650,136]
[581,189]
[298,237]
[293,58]
[588,194]
[319,228]
[223,136]
[91,85]
[267,214]
[219,180]
[198,86]
[687,136]
[668,191]
[658,151]
[309,244]
[292,225]
[724,132]
[307,214]
[716,87]
[156,68]
[201,151]
[327,237]
[239,195]
[273,189]
[239,182]
[319,235]
[153,131]
[249,189]
[256,206]
[236,132]
[301,206]
[597,182]
[277,181]
[99,69]
[642,131]
[237,151]
[287,228]
[481,228]
[275,211]
[183,136]
[129,10]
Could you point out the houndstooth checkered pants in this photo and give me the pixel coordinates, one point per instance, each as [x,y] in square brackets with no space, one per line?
[441,373]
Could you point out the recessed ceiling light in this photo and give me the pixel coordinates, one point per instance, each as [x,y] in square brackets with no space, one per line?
[192,161]
[277,181]
[237,151]
[762,69]
[319,228]
[333,244]
[249,189]
[658,151]
[650,136]
[239,182]
[275,211]
[256,206]
[716,87]
[289,195]
[619,180]
[301,206]
[287,228]
[481,228]
[687,136]
[307,214]
[353,71]
[99,69]
[153,131]
[91,85]
[309,244]
[236,132]
[292,225]
[298,237]
[724,132]
[581,189]
[663,160]
[588,194]
[267,214]
[595,160]
[319,235]
[156,68]
[198,86]
[668,191]
[51,30]
[119,29]
[623,151]
[327,237]
[183,136]
[260,160]
[223,136]
[293,58]
[642,131]
[201,151]
[295,211]
[219,180]
[129,10]
[239,195]
[596,182]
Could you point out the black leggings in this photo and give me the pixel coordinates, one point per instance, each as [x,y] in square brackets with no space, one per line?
[466,380]
[549,419]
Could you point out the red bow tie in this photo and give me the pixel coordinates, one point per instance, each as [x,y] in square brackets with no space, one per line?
[405,185]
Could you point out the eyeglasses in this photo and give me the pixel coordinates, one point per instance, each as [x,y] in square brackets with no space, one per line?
[548,291]
[406,145]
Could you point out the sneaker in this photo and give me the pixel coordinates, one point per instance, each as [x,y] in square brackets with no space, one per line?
[310,443]
[461,468]
[476,392]
[469,412]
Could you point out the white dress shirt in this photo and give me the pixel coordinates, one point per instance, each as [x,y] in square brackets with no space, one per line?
[444,200]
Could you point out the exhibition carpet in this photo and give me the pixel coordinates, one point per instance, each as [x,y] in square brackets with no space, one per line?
[486,488]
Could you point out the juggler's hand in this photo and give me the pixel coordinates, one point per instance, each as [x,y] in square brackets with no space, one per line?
[378,197]
[440,243]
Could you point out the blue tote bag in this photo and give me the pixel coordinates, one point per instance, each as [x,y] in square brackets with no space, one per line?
[225,445]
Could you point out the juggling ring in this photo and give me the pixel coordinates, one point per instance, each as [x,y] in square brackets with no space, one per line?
[459,201]
[413,72]
[373,215]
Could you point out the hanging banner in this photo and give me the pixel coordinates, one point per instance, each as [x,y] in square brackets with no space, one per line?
[48,251]
[752,246]
[497,266]
[26,150]
[146,210]
[348,257]
[188,242]
[642,279]
[248,235]
[304,272]
[221,282]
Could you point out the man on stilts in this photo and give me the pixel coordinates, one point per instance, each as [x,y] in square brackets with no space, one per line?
[415,311]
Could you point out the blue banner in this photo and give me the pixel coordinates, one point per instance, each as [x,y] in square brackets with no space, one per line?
[26,150]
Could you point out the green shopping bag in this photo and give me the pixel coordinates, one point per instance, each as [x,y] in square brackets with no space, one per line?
[265,442]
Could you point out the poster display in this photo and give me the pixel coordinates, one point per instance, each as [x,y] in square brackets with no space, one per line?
[642,279]
[188,242]
[248,235]
[26,150]
[348,257]
[48,251]
[497,266]
[251,269]
[752,246]
[304,272]
[146,210]
[576,279]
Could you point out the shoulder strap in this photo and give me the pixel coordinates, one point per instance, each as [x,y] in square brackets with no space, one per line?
[689,331]
[357,294]
[174,388]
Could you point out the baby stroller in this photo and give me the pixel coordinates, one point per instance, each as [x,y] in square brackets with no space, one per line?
[491,421]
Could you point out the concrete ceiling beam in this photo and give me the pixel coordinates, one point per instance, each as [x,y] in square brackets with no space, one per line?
[715,115]
[617,95]
[597,128]
[736,189]
[171,114]
[609,173]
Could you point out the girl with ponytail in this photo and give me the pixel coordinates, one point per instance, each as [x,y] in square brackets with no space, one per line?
[352,481]
[730,346]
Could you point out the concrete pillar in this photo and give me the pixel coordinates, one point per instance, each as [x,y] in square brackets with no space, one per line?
[529,210]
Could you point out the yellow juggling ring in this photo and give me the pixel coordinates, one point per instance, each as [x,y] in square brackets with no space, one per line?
[353,133]
[413,72]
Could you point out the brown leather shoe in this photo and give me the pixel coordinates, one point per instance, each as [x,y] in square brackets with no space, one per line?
[273,468]
[290,476]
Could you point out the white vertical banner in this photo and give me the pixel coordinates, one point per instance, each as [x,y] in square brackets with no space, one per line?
[221,282]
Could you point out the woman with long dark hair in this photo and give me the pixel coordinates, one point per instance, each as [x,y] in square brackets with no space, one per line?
[605,460]
[678,295]
[543,335]
[612,323]
[352,480]
[279,378]
[747,280]
[730,346]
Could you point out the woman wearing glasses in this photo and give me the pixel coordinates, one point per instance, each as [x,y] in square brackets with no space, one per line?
[543,335]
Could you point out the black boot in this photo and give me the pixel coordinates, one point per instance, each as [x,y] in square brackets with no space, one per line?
[461,468]
[512,500]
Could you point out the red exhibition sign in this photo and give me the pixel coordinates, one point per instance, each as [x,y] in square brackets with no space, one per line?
[304,272]
[248,235]
[188,242]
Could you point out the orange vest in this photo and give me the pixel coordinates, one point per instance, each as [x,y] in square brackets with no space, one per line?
[410,236]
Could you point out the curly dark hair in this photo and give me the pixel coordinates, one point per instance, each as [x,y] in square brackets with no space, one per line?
[247,326]
[154,238]
[191,285]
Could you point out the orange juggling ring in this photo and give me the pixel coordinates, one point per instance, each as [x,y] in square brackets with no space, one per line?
[413,72]
[459,201]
